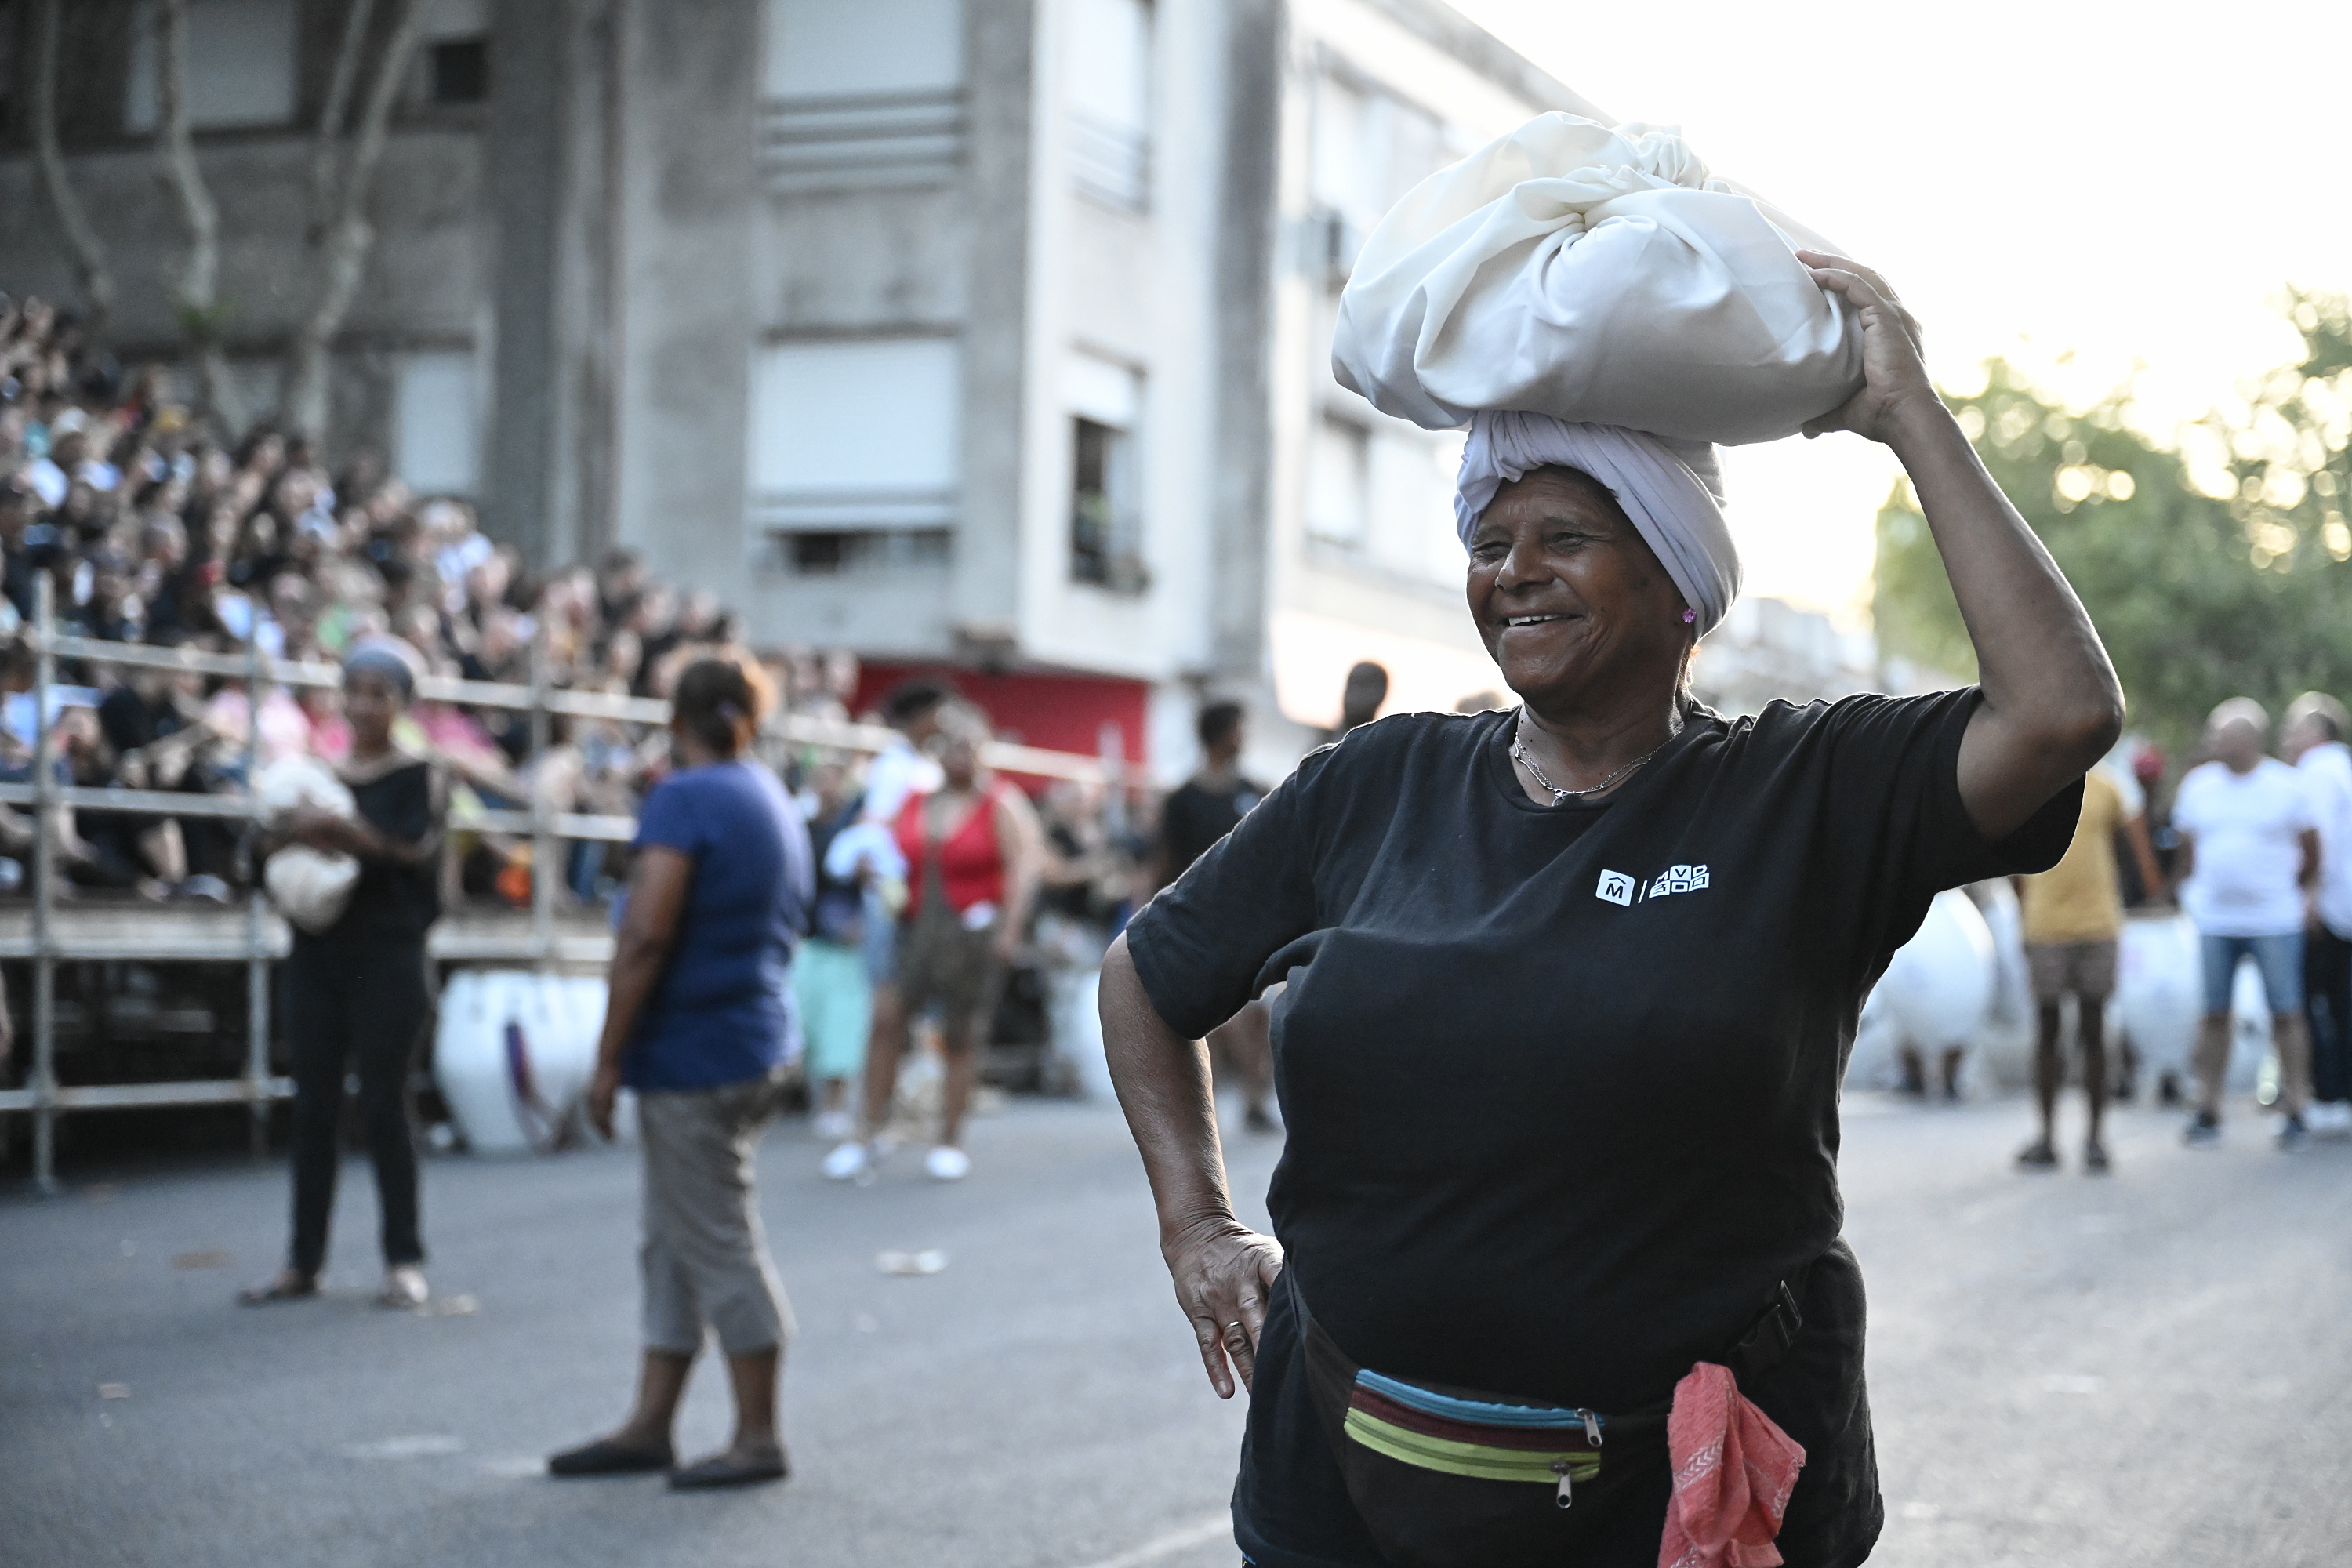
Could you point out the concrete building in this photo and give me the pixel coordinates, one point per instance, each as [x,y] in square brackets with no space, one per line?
[991,334]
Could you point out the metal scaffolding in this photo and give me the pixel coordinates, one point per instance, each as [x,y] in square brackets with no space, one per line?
[261,937]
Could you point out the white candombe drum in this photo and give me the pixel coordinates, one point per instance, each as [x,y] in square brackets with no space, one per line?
[2158,994]
[513,1055]
[1938,991]
[2006,1040]
[1075,1013]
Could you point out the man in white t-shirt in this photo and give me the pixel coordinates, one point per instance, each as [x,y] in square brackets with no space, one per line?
[2312,737]
[2250,848]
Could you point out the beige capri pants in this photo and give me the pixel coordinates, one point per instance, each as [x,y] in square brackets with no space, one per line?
[704,1258]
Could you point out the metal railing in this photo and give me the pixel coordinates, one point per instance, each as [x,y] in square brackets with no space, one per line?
[264,937]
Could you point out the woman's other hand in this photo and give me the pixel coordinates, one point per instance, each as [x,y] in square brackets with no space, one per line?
[604,1092]
[1895,374]
[1223,1270]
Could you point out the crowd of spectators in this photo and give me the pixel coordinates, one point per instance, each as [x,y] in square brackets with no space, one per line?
[153,528]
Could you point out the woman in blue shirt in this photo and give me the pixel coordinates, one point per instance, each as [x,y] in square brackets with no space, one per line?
[700,1024]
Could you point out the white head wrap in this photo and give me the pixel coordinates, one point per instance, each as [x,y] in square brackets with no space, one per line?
[1673,491]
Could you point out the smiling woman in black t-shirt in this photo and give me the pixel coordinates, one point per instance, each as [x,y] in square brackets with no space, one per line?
[1569,994]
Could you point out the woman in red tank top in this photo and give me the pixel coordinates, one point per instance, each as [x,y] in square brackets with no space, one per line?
[973,856]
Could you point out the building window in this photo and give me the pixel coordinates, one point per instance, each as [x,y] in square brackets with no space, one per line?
[1105,402]
[862,93]
[453,52]
[1338,487]
[854,438]
[1370,148]
[458,71]
[436,431]
[1109,98]
[1106,544]
[240,65]
[879,550]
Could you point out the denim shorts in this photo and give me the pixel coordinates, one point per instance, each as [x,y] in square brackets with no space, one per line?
[2280,958]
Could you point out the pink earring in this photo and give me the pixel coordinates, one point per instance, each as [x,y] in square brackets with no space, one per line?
[1690,618]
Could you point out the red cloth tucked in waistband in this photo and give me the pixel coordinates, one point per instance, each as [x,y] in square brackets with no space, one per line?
[1733,1470]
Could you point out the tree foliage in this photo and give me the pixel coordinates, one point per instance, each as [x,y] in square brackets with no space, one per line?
[2213,568]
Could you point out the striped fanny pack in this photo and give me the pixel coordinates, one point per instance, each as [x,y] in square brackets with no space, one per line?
[1475,1437]
[1461,1477]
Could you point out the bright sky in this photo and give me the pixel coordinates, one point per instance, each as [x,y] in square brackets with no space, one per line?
[2077,184]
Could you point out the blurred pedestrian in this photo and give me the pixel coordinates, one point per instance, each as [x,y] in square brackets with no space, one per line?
[2248,851]
[2073,916]
[2313,739]
[358,993]
[974,853]
[905,766]
[830,983]
[1194,816]
[700,1025]
[1360,698]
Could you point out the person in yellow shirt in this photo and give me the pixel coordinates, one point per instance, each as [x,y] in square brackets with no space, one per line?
[2073,915]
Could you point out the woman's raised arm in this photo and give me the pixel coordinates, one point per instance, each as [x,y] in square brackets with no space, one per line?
[1221,1267]
[2052,705]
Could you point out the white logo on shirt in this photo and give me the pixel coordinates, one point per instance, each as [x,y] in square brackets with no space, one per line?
[1619,888]
[1677,879]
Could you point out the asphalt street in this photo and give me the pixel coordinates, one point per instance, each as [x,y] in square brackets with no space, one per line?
[2152,1368]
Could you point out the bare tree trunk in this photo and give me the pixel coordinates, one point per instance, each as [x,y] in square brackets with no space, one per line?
[343,243]
[82,244]
[326,148]
[202,316]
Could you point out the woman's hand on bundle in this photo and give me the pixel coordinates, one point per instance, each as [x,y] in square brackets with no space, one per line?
[1223,1270]
[1894,373]
[317,829]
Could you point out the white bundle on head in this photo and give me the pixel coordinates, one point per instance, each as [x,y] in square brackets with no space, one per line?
[1670,491]
[1602,277]
[1597,299]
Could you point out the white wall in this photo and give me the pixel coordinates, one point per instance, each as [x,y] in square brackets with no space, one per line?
[436,423]
[240,69]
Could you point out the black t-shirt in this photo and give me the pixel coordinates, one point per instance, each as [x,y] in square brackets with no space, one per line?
[395,903]
[1194,816]
[1562,1085]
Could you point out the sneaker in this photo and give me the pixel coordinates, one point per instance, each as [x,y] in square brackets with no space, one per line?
[2037,1156]
[847,1163]
[834,1126]
[2329,1119]
[2293,1136]
[2094,1158]
[2203,1132]
[947,1164]
[404,1288]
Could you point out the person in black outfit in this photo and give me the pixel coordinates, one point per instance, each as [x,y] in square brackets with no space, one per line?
[1360,698]
[1194,816]
[359,991]
[1570,991]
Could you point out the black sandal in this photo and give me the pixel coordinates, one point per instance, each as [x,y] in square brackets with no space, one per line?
[285,1285]
[605,1458]
[727,1470]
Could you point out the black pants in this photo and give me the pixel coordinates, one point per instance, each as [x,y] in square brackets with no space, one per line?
[345,999]
[2327,1003]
